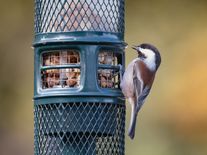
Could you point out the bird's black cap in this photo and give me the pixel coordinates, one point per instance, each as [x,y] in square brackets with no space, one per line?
[153,48]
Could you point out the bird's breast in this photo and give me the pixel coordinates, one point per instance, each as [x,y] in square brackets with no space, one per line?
[127,85]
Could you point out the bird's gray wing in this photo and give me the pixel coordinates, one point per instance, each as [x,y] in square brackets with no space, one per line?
[139,98]
[142,97]
[137,89]
[137,84]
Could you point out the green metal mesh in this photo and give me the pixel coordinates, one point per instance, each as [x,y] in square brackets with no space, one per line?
[79,128]
[79,15]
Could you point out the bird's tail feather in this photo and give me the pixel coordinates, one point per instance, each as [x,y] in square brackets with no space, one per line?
[132,126]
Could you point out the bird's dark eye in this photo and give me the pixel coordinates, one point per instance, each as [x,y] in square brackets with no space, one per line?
[144,56]
[141,55]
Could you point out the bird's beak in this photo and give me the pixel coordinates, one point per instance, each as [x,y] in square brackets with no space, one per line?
[140,53]
[137,49]
[134,47]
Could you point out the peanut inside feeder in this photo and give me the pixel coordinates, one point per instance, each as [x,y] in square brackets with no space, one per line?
[108,78]
[58,72]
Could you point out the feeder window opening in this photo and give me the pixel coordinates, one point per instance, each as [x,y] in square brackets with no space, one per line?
[108,68]
[60,69]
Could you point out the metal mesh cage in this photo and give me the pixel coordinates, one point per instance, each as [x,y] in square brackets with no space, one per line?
[60,69]
[79,15]
[108,69]
[78,50]
[79,128]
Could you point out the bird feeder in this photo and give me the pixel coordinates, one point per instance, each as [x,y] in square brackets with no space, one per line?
[78,105]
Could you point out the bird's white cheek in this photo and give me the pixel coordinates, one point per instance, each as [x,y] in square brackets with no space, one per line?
[150,64]
[150,60]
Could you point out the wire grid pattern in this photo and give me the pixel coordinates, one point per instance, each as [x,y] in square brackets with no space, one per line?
[60,57]
[108,78]
[79,15]
[109,57]
[58,70]
[60,78]
[79,128]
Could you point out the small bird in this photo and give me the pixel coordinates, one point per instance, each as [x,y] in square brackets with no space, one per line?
[138,79]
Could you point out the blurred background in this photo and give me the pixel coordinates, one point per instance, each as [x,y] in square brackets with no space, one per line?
[174,118]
